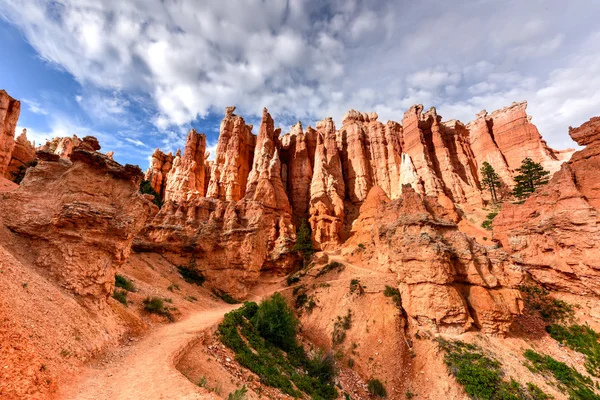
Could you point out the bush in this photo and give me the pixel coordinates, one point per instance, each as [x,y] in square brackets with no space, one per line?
[330,267]
[538,301]
[156,305]
[394,294]
[173,287]
[120,296]
[580,338]
[190,275]
[146,188]
[304,240]
[341,325]
[226,297]
[577,385]
[487,224]
[124,283]
[355,286]
[276,322]
[239,394]
[376,388]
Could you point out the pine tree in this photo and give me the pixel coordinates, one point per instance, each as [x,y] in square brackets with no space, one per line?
[491,180]
[531,176]
[304,240]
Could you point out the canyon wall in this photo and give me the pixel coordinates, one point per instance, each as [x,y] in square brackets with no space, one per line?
[9,115]
[554,235]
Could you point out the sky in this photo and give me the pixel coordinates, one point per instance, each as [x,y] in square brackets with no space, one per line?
[138,74]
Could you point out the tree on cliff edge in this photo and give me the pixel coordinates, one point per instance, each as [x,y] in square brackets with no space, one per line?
[491,180]
[531,176]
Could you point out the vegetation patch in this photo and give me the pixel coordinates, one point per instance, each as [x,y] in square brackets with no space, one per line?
[120,296]
[124,283]
[173,287]
[226,297]
[538,301]
[394,294]
[480,374]
[356,287]
[156,305]
[487,224]
[190,275]
[263,339]
[304,240]
[146,188]
[334,265]
[341,325]
[580,338]
[578,387]
[239,394]
[376,388]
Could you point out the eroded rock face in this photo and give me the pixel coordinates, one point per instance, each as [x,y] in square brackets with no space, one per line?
[23,153]
[61,146]
[296,153]
[9,115]
[234,159]
[160,166]
[327,189]
[78,218]
[554,235]
[447,281]
[186,178]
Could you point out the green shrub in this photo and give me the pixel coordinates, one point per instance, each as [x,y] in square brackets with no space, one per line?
[394,294]
[156,305]
[173,287]
[330,267]
[577,385]
[355,286]
[120,296]
[580,338]
[146,188]
[262,351]
[226,297]
[190,275]
[239,394]
[276,322]
[124,283]
[304,240]
[537,393]
[538,301]
[341,325]
[292,278]
[376,388]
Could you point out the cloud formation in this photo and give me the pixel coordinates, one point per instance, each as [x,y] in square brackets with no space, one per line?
[187,59]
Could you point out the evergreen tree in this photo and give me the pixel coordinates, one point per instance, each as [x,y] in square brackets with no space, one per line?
[531,176]
[304,240]
[146,188]
[491,180]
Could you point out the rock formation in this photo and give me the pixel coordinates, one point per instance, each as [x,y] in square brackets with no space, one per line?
[9,114]
[160,165]
[62,146]
[447,281]
[327,188]
[187,176]
[23,153]
[554,235]
[234,159]
[78,218]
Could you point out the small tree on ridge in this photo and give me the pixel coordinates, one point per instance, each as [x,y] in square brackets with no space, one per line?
[491,180]
[531,176]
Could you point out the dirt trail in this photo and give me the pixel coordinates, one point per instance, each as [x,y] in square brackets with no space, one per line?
[147,371]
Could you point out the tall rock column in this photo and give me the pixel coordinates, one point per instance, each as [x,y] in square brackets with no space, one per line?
[23,153]
[9,114]
[186,178]
[160,165]
[327,189]
[264,182]
[417,146]
[300,171]
[234,158]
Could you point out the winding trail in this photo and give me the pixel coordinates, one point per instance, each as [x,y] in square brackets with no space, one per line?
[147,371]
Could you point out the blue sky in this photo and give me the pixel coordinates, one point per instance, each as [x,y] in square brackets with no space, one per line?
[139,74]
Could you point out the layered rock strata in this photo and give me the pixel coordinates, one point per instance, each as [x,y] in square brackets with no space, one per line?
[554,235]
[187,177]
[447,281]
[78,218]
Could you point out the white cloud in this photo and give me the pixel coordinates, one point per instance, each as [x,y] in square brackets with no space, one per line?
[35,107]
[311,59]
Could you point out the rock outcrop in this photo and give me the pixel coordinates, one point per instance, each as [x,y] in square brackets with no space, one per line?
[160,166]
[61,146]
[447,281]
[187,176]
[78,218]
[234,159]
[9,115]
[22,155]
[299,171]
[554,235]
[327,189]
